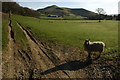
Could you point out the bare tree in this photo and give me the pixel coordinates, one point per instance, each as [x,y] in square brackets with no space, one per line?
[100,11]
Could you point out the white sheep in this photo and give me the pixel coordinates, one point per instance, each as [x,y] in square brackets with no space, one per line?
[93,47]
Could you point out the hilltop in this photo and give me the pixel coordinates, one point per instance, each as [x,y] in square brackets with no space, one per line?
[60,11]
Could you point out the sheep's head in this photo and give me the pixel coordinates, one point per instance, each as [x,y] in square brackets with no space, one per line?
[87,41]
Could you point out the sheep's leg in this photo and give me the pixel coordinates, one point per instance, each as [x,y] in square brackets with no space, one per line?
[99,55]
[89,55]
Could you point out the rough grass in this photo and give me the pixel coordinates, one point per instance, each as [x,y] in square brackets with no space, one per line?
[5,23]
[73,32]
[20,37]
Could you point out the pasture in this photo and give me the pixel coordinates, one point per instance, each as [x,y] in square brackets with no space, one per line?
[72,32]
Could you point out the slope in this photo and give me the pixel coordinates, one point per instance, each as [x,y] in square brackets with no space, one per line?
[55,10]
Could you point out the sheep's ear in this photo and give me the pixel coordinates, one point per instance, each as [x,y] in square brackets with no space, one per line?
[86,40]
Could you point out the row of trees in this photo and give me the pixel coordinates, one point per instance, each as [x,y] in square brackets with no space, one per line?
[102,16]
[17,9]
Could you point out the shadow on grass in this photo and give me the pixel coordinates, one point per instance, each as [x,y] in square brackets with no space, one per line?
[71,66]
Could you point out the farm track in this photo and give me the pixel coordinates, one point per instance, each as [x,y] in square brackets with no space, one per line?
[53,62]
[48,62]
[9,62]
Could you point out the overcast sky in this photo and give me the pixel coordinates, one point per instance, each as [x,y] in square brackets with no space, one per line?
[110,6]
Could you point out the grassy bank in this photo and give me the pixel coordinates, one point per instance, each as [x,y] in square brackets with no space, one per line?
[5,23]
[20,37]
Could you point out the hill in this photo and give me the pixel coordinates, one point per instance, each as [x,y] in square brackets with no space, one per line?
[15,8]
[82,12]
[55,10]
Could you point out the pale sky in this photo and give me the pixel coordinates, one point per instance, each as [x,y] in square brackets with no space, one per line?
[110,6]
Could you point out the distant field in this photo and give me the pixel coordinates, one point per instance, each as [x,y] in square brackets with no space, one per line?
[62,18]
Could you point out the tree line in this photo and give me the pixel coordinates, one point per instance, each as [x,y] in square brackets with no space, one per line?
[15,8]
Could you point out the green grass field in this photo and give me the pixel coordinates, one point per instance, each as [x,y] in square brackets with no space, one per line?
[72,32]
